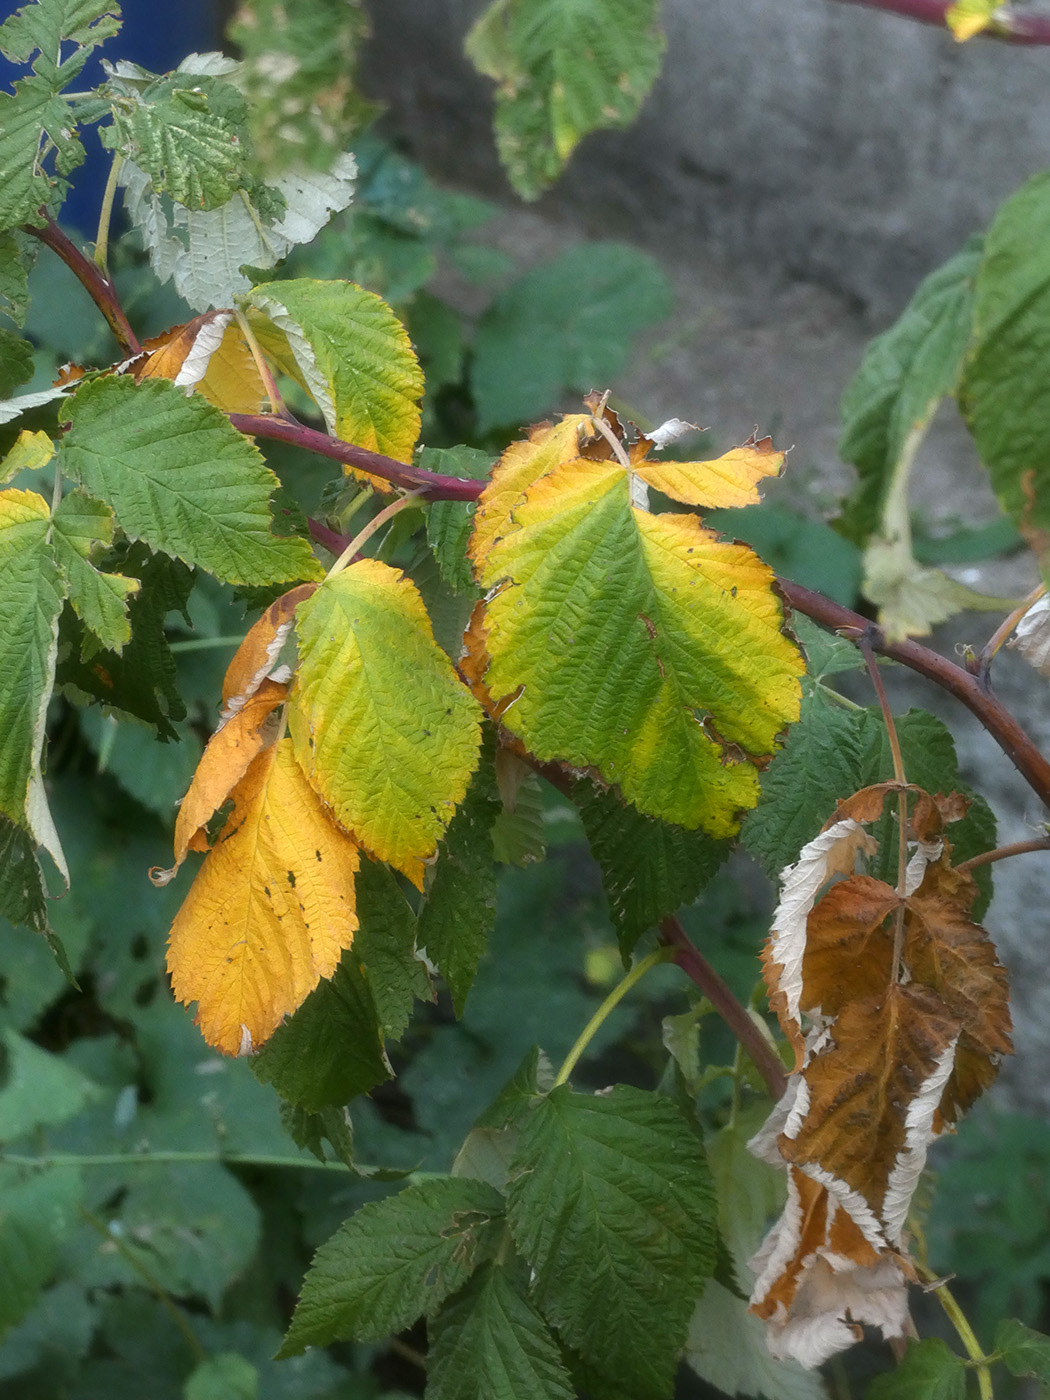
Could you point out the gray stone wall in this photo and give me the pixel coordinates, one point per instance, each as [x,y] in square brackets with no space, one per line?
[831,142]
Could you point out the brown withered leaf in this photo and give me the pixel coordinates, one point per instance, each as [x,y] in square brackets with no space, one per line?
[870,1099]
[945,950]
[849,948]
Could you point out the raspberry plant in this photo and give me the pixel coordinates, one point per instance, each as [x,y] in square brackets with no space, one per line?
[454,633]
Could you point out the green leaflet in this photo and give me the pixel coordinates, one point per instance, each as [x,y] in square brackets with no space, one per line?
[566,325]
[460,908]
[304,104]
[39,1090]
[1024,1351]
[449,522]
[611,1204]
[834,751]
[23,895]
[38,1213]
[394,1260]
[631,640]
[42,27]
[331,1050]
[1001,397]
[490,1343]
[904,375]
[564,68]
[223,1377]
[180,478]
[100,600]
[188,132]
[929,1371]
[32,589]
[16,361]
[356,358]
[386,943]
[17,253]
[649,868]
[385,729]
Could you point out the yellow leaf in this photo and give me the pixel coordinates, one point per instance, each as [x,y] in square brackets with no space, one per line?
[256,657]
[30,451]
[270,911]
[208,354]
[729,480]
[969,17]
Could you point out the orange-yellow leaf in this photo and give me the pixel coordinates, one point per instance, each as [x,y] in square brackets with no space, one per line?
[256,657]
[270,911]
[208,354]
[229,753]
[729,480]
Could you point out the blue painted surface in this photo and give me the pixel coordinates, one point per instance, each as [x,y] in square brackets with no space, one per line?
[157,36]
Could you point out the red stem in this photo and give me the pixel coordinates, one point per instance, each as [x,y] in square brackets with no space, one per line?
[1009,27]
[98,287]
[436,488]
[969,689]
[737,1018]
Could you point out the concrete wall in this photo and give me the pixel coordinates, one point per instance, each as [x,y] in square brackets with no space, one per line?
[823,140]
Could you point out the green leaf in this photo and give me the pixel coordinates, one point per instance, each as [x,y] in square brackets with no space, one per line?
[38,1090]
[566,325]
[929,1371]
[100,600]
[611,1204]
[356,358]
[490,1343]
[38,1213]
[189,134]
[460,908]
[223,1377]
[386,943]
[23,894]
[564,68]
[649,868]
[820,763]
[519,835]
[903,377]
[449,522]
[32,591]
[141,679]
[17,254]
[180,478]
[383,726]
[727,1349]
[16,361]
[1023,1351]
[1001,398]
[44,26]
[490,1147]
[331,1050]
[310,1130]
[394,1260]
[304,104]
[31,113]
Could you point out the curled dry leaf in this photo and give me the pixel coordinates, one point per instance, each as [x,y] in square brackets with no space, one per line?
[1032,635]
[897,1008]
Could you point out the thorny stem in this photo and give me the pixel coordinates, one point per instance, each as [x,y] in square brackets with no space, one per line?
[151,1281]
[105,216]
[864,646]
[982,664]
[965,1332]
[692,962]
[376,523]
[994,717]
[1018,848]
[98,287]
[1009,26]
[617,994]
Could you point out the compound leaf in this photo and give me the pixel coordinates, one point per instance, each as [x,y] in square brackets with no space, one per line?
[181,478]
[394,1260]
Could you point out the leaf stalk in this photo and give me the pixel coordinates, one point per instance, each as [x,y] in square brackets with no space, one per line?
[635,975]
